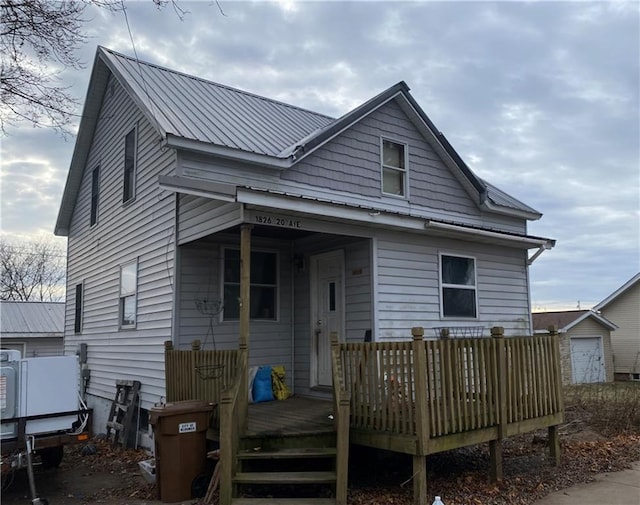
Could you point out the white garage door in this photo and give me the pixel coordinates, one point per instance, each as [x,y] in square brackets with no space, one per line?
[587,360]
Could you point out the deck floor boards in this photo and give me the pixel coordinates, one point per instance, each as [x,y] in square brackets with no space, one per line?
[293,416]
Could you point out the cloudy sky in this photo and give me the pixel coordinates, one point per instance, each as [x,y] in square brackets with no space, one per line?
[541,99]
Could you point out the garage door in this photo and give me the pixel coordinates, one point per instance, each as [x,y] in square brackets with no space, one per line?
[587,360]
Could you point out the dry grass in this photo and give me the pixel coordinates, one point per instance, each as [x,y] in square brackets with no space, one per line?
[611,408]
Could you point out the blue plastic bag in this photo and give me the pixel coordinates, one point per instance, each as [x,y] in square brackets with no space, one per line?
[262,391]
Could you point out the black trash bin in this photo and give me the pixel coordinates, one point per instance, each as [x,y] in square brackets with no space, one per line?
[180,435]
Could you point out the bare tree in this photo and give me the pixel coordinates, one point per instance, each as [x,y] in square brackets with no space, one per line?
[39,39]
[31,270]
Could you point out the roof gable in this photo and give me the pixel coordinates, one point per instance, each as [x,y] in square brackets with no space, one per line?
[199,115]
[567,319]
[618,292]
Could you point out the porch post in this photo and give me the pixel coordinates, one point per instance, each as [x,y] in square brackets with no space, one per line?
[245,303]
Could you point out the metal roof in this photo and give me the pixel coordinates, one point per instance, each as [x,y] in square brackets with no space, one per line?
[194,113]
[201,110]
[31,317]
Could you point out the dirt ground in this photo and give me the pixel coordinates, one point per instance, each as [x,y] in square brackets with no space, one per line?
[111,476]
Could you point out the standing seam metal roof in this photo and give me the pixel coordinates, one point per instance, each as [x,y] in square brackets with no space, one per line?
[197,109]
[31,317]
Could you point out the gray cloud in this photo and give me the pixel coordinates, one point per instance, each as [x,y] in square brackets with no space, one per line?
[540,98]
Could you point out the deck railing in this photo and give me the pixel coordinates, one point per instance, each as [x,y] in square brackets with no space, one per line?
[341,409]
[451,386]
[199,375]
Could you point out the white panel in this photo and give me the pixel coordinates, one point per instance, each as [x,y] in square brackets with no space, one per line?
[49,385]
[587,360]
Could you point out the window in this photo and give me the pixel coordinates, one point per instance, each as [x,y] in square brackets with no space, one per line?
[129,166]
[458,286]
[95,187]
[128,294]
[394,170]
[77,324]
[263,285]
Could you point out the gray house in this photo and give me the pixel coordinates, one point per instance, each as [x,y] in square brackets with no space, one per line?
[33,328]
[622,307]
[367,225]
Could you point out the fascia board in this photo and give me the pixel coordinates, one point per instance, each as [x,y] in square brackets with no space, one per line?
[328,210]
[469,233]
[92,104]
[197,146]
[498,209]
[212,190]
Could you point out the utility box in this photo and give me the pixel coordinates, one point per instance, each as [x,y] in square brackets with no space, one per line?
[180,434]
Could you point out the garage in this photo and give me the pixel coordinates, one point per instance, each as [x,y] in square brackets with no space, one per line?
[587,360]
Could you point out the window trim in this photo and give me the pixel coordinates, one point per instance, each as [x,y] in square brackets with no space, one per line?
[78,315]
[122,297]
[130,175]
[95,196]
[404,171]
[442,285]
[277,285]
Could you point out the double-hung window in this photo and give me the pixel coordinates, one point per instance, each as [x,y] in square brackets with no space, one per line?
[263,285]
[95,189]
[128,294]
[458,290]
[394,168]
[129,166]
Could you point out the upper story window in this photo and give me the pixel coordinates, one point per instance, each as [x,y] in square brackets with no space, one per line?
[263,285]
[95,190]
[458,291]
[394,168]
[128,294]
[129,166]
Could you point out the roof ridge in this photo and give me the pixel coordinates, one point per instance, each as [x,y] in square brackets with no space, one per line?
[214,83]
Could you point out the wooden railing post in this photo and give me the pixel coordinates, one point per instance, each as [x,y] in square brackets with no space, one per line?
[169,372]
[341,402]
[495,446]
[227,451]
[554,436]
[422,419]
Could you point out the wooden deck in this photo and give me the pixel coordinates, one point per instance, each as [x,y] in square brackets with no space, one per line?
[295,416]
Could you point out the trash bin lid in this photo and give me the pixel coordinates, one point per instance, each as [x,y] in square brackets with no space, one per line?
[181,407]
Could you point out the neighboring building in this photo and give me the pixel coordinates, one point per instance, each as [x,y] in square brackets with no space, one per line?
[585,344]
[622,307]
[33,328]
[369,224]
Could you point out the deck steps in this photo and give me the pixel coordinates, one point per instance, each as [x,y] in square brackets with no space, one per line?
[285,478]
[286,473]
[294,453]
[283,501]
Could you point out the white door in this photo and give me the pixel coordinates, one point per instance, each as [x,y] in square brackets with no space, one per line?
[327,314]
[587,360]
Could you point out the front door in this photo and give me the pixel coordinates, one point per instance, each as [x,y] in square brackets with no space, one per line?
[327,315]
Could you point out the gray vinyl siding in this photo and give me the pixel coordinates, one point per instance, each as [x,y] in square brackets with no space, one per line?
[270,341]
[142,229]
[33,344]
[347,170]
[199,217]
[624,312]
[408,286]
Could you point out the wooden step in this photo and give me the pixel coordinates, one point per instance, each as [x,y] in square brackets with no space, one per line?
[283,501]
[285,478]
[304,453]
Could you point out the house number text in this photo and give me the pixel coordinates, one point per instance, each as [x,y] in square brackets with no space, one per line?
[284,222]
